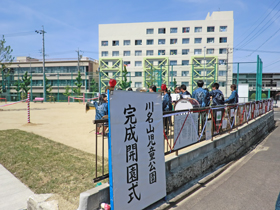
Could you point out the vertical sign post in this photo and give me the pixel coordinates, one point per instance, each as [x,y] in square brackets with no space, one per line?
[28,107]
[136,150]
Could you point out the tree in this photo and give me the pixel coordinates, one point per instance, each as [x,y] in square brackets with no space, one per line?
[67,91]
[5,54]
[124,83]
[253,96]
[48,87]
[78,83]
[17,85]
[174,84]
[94,86]
[264,95]
[26,81]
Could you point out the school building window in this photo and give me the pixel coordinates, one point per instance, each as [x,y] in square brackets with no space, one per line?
[161,30]
[185,29]
[161,41]
[126,53]
[150,30]
[185,41]
[185,73]
[138,84]
[173,30]
[104,43]
[126,42]
[115,43]
[150,41]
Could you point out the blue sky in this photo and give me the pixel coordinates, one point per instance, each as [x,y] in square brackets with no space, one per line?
[71,24]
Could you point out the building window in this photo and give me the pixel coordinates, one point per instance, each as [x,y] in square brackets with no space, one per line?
[173,52]
[149,52]
[173,73]
[185,29]
[185,41]
[173,30]
[161,30]
[185,83]
[185,62]
[126,42]
[150,41]
[197,29]
[115,53]
[185,73]
[185,51]
[138,52]
[197,51]
[222,84]
[161,41]
[115,43]
[197,40]
[161,52]
[150,31]
[127,63]
[138,74]
[223,73]
[173,41]
[138,63]
[210,40]
[138,42]
[173,63]
[222,62]
[104,53]
[223,28]
[210,51]
[138,84]
[210,29]
[126,53]
[223,39]
[223,51]
[104,43]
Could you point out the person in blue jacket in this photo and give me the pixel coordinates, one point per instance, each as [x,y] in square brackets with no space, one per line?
[184,91]
[201,95]
[101,110]
[167,101]
[217,95]
[233,98]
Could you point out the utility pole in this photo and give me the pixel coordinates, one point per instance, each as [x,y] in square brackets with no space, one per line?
[44,80]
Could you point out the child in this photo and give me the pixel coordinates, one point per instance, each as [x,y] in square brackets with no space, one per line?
[101,110]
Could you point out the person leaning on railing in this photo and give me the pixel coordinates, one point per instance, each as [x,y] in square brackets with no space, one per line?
[201,95]
[233,98]
[217,95]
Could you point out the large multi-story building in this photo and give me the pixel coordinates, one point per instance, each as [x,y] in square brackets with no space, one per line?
[184,50]
[59,74]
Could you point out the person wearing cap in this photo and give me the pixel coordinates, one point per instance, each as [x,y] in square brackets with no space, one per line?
[167,102]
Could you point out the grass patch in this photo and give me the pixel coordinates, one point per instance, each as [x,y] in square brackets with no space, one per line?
[46,166]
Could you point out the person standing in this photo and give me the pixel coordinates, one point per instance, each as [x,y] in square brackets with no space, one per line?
[166,102]
[101,110]
[217,95]
[201,95]
[233,98]
[184,92]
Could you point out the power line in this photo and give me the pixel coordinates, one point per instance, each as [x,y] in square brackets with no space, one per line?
[250,50]
[27,33]
[260,32]
[265,41]
[259,24]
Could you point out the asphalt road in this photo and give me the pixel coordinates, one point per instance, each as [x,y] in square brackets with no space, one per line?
[277,114]
[252,183]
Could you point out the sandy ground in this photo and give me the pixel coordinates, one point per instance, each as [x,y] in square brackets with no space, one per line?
[60,122]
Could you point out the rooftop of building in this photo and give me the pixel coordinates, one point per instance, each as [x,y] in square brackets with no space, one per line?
[216,15]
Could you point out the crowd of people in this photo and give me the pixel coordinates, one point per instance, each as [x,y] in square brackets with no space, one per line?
[202,95]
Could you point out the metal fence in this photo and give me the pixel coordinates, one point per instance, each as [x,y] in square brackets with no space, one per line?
[222,119]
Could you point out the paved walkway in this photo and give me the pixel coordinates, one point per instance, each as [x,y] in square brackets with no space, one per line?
[13,193]
[252,183]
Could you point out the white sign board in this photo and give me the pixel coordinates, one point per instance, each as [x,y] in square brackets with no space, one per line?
[243,92]
[188,134]
[137,149]
[175,96]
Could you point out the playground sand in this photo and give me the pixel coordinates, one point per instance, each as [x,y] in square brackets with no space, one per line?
[60,122]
